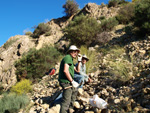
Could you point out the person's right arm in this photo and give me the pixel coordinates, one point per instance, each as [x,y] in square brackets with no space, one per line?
[66,71]
[77,68]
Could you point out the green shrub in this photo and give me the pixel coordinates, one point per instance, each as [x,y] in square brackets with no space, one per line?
[48,33]
[136,0]
[9,43]
[117,63]
[91,55]
[22,87]
[71,7]
[37,62]
[102,18]
[142,16]
[109,24]
[103,4]
[82,30]
[126,14]
[28,33]
[121,70]
[114,3]
[11,103]
[41,29]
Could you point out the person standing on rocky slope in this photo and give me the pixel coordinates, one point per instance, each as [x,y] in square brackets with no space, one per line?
[66,79]
[80,71]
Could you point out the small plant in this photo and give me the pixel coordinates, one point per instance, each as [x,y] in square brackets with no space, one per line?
[102,18]
[12,102]
[103,38]
[120,70]
[71,7]
[91,55]
[9,43]
[22,87]
[136,0]
[28,33]
[41,29]
[48,33]
[114,3]
[103,5]
[117,63]
[109,24]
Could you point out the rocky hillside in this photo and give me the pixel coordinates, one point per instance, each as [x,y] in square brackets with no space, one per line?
[20,44]
[128,93]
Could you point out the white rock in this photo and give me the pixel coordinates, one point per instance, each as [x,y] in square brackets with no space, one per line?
[84,99]
[116,101]
[76,104]
[80,91]
[54,109]
[45,106]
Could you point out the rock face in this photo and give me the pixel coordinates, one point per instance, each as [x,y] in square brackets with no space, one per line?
[97,11]
[56,32]
[9,55]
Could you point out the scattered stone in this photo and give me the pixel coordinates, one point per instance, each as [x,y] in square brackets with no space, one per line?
[116,101]
[76,104]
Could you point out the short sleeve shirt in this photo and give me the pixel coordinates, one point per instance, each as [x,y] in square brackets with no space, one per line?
[66,60]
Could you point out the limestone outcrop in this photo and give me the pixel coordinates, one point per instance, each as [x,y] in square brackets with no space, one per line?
[8,56]
[97,11]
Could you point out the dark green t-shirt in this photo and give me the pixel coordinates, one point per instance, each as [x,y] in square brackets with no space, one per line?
[66,60]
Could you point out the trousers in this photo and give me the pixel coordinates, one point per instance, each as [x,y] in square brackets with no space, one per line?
[68,97]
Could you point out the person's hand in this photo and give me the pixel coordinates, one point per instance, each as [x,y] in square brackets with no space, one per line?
[74,84]
[90,80]
[79,57]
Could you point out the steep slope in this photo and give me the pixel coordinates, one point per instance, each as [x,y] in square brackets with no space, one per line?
[22,43]
[12,50]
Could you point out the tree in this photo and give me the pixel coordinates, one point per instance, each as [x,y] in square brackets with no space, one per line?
[71,7]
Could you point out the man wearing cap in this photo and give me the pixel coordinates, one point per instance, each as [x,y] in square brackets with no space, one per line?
[80,74]
[66,78]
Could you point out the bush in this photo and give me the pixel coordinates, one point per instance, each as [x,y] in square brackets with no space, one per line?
[117,63]
[102,4]
[82,30]
[22,87]
[102,18]
[109,24]
[136,0]
[41,29]
[120,71]
[28,33]
[91,55]
[114,3]
[142,16]
[48,33]
[126,14]
[103,38]
[37,62]
[11,103]
[71,7]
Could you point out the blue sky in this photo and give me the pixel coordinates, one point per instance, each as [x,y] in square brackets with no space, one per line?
[17,16]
